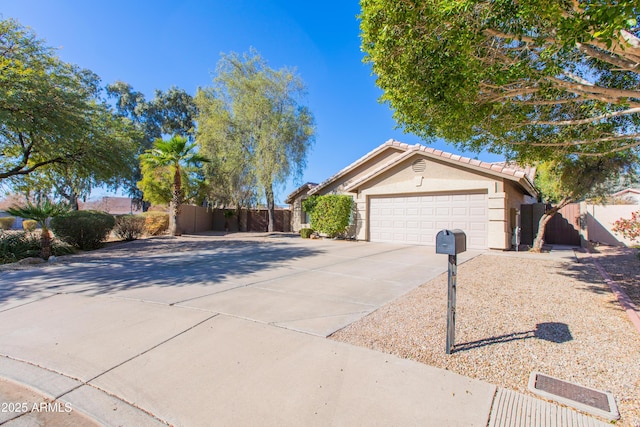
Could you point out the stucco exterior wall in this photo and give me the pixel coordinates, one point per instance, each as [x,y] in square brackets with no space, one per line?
[514,199]
[297,215]
[353,175]
[438,177]
[599,223]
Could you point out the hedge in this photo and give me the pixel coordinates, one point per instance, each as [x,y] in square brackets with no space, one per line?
[85,230]
[331,214]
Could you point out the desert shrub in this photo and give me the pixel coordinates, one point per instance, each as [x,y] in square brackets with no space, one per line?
[29,224]
[6,222]
[129,227]
[155,223]
[305,233]
[85,230]
[18,245]
[331,214]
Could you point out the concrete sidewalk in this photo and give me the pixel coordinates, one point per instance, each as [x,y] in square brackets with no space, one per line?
[231,333]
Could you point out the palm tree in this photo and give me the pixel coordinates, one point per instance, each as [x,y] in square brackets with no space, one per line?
[175,153]
[41,212]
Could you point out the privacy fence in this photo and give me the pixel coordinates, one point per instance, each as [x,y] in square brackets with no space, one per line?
[196,219]
[576,224]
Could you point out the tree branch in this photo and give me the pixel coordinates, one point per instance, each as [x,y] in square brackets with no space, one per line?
[587,120]
[581,142]
[623,63]
[18,170]
[613,150]
[592,89]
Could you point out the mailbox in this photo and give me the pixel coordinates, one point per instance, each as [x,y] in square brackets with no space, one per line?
[451,242]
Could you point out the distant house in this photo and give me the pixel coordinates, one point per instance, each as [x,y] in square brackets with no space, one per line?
[407,193]
[631,195]
[112,205]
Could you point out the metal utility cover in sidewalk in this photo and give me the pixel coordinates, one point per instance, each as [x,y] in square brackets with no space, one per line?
[586,399]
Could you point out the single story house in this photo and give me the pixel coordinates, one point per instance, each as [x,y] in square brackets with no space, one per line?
[407,193]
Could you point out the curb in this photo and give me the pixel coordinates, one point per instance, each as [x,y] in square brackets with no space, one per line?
[623,298]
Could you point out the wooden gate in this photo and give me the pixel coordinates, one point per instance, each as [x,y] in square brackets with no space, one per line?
[562,229]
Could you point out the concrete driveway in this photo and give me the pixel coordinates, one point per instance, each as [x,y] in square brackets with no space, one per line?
[223,330]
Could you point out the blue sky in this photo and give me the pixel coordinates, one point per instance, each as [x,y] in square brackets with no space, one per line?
[158,44]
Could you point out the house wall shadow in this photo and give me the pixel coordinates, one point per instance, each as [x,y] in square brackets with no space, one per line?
[599,233]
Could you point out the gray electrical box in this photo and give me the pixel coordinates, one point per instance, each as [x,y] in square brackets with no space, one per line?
[451,242]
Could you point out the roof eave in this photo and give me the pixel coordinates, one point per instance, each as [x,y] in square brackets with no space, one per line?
[519,177]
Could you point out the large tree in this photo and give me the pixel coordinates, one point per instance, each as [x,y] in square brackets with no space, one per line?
[574,179]
[175,155]
[113,155]
[552,81]
[253,120]
[51,115]
[171,112]
[530,79]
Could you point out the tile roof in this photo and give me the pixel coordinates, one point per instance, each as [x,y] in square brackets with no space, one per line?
[303,187]
[510,171]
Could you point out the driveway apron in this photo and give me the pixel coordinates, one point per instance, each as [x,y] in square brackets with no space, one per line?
[226,331]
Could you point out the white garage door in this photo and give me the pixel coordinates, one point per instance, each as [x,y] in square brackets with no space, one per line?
[417,219]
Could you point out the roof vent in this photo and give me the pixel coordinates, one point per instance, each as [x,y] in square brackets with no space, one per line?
[419,166]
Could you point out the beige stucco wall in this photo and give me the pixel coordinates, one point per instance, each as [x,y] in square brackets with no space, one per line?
[441,177]
[514,197]
[438,177]
[600,219]
[338,186]
[296,214]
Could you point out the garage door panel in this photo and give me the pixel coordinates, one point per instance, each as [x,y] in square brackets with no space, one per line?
[459,211]
[478,197]
[417,220]
[478,211]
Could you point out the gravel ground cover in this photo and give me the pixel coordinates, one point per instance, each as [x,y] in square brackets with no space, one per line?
[514,316]
[623,265]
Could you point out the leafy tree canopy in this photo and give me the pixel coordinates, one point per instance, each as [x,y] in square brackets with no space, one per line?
[51,115]
[252,120]
[529,79]
[171,112]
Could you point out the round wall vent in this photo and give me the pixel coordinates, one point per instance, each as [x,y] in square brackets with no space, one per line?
[419,166]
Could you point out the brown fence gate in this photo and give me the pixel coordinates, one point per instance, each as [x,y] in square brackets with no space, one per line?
[562,229]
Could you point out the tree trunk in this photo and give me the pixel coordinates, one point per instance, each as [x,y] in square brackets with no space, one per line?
[271,208]
[73,202]
[544,220]
[45,243]
[174,230]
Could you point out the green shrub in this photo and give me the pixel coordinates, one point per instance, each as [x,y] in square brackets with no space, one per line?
[29,224]
[305,233]
[129,227]
[85,230]
[155,223]
[6,222]
[17,245]
[309,203]
[331,214]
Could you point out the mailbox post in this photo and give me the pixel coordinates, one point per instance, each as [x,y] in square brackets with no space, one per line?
[451,242]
